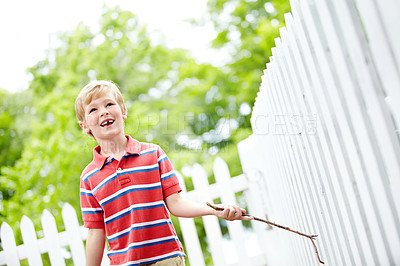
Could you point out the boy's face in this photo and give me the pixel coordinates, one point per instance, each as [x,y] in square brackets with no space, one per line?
[103,117]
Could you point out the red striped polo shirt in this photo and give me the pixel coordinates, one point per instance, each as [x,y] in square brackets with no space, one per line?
[126,198]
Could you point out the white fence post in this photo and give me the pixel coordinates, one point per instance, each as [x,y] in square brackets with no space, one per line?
[9,246]
[52,239]
[211,224]
[253,158]
[189,233]
[31,243]
[73,232]
[223,178]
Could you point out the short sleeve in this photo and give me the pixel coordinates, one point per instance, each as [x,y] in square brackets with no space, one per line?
[92,213]
[169,180]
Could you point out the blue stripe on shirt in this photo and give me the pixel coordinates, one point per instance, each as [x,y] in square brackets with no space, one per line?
[139,228]
[108,181]
[89,176]
[138,171]
[92,212]
[167,177]
[86,194]
[163,159]
[132,210]
[143,245]
[125,173]
[129,191]
[147,152]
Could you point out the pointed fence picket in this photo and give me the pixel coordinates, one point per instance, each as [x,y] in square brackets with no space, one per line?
[74,238]
[30,241]
[211,225]
[52,237]
[10,249]
[222,176]
[189,233]
[246,246]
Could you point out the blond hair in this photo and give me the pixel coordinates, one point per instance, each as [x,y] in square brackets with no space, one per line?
[93,90]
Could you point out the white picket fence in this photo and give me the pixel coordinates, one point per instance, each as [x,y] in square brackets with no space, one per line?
[326,133]
[245,247]
[53,243]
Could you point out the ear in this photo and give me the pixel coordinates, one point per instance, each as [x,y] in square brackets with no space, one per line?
[84,127]
[124,117]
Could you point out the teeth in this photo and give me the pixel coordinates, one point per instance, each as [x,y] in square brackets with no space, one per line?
[107,123]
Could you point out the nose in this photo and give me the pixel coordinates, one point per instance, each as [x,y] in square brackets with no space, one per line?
[104,112]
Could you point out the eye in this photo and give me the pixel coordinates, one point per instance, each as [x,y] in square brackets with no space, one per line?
[92,110]
[109,104]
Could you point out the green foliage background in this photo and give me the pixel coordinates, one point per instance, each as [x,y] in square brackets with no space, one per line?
[172,100]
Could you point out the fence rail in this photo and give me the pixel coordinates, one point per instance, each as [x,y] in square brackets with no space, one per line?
[246,246]
[326,132]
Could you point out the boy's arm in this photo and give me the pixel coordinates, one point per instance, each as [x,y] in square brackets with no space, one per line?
[95,242]
[181,207]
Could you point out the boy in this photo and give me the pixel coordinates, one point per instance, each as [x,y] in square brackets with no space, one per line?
[128,187]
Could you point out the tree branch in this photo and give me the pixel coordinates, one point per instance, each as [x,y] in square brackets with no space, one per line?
[311,237]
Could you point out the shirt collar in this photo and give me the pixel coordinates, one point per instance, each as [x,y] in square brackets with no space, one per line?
[132,147]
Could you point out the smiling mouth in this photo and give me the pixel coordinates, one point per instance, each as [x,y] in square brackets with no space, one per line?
[107,123]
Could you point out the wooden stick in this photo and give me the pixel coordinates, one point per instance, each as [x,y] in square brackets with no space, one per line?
[311,237]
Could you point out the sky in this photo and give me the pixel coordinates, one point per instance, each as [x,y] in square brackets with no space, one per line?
[27,27]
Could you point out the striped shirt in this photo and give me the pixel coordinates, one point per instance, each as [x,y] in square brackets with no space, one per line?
[126,198]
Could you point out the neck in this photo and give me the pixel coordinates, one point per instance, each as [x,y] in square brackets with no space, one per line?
[114,147]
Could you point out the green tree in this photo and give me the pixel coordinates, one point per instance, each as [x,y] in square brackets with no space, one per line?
[15,113]
[219,99]
[14,125]
[247,29]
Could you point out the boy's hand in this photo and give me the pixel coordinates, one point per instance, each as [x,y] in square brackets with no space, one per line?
[230,212]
